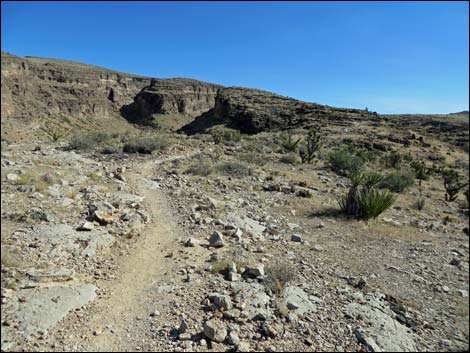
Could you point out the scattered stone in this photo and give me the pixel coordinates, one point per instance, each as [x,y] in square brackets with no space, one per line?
[296,238]
[103,217]
[216,240]
[222,301]
[86,226]
[215,330]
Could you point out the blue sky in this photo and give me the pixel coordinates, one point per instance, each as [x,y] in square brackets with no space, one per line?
[402,57]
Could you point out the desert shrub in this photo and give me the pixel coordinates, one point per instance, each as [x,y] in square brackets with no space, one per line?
[253,158]
[419,203]
[8,259]
[24,179]
[56,136]
[145,145]
[220,134]
[343,162]
[392,159]
[289,158]
[288,142]
[397,181]
[308,151]
[278,275]
[233,168]
[111,149]
[453,183]
[231,135]
[202,167]
[373,202]
[80,141]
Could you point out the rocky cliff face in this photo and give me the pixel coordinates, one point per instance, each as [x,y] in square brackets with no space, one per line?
[172,96]
[252,111]
[38,88]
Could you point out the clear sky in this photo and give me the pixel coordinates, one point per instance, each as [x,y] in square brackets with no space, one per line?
[402,57]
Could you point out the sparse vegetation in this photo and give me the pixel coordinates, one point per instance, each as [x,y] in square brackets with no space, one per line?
[233,168]
[201,167]
[253,158]
[277,277]
[289,158]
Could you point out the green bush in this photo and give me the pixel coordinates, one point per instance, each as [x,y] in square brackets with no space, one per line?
[232,168]
[343,162]
[397,182]
[145,145]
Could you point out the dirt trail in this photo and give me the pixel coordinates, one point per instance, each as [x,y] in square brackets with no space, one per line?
[118,317]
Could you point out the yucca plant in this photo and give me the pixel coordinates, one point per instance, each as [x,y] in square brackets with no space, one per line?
[308,152]
[288,142]
[348,204]
[363,200]
[373,202]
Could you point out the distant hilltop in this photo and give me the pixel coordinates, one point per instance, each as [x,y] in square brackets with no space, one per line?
[463,112]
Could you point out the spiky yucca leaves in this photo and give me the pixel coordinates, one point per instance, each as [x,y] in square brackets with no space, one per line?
[288,142]
[372,179]
[363,200]
[308,152]
[373,202]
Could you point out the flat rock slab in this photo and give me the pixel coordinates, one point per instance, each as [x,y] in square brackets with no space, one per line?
[298,301]
[381,333]
[64,238]
[248,225]
[42,308]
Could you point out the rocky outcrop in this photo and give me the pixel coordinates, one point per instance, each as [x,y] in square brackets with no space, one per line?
[252,111]
[173,96]
[37,87]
